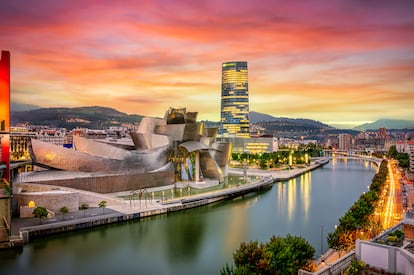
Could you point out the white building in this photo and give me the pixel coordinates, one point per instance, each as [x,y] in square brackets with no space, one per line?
[345,141]
[390,258]
[407,146]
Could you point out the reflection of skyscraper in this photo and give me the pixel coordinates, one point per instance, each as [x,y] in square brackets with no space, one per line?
[234,100]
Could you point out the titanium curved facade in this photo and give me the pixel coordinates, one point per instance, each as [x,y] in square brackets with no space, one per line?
[234,116]
[175,148]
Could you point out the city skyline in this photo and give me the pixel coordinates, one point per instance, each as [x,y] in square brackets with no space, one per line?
[342,62]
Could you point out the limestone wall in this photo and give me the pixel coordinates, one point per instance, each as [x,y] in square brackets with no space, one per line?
[52,200]
[111,183]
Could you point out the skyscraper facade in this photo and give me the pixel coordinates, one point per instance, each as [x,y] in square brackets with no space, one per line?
[234,99]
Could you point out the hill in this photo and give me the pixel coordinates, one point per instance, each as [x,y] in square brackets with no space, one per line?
[256,117]
[19,107]
[94,117]
[289,127]
[386,123]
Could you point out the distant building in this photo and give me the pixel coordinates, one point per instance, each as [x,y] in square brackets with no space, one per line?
[234,116]
[19,143]
[51,135]
[254,145]
[331,142]
[383,134]
[345,141]
[407,146]
[295,143]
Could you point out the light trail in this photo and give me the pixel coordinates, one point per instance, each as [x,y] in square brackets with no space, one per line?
[389,207]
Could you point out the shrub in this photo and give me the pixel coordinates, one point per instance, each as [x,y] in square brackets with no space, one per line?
[392,239]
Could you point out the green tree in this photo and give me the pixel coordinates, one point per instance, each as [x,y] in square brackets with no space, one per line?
[403,160]
[282,256]
[40,212]
[64,210]
[252,257]
[84,207]
[102,205]
[289,254]
[356,267]
[392,152]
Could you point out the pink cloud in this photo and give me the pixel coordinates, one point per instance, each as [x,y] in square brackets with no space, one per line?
[174,49]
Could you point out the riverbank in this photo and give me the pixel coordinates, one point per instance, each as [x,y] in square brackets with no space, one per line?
[121,210]
[281,175]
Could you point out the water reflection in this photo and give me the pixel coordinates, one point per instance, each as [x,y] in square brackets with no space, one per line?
[305,189]
[236,227]
[183,235]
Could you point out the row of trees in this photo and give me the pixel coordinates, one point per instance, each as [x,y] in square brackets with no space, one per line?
[359,218]
[41,212]
[281,157]
[282,256]
[403,158]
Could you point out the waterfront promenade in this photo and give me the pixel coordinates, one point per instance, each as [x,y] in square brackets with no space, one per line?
[120,209]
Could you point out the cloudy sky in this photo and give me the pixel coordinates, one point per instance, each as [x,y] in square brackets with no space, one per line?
[337,62]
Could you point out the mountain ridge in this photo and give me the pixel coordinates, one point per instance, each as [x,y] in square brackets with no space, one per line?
[21,113]
[84,117]
[256,117]
[386,123]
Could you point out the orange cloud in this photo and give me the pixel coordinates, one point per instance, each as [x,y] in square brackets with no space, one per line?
[305,59]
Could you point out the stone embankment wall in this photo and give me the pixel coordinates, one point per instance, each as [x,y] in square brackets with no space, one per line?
[55,197]
[111,183]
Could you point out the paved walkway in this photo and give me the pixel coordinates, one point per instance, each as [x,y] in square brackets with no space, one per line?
[279,174]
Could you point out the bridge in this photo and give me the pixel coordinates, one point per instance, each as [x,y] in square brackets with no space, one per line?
[352,154]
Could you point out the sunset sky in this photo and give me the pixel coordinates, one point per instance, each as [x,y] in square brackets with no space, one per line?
[339,62]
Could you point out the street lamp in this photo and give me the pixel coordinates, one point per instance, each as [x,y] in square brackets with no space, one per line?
[321,240]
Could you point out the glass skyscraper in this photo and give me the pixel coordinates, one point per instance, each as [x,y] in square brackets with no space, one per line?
[234,100]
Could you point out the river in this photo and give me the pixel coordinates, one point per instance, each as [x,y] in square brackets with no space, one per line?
[202,240]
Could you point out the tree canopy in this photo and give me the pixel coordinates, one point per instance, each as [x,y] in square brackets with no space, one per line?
[403,158]
[40,212]
[278,256]
[359,217]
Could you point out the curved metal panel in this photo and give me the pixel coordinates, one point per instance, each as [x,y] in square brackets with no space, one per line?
[190,117]
[211,132]
[148,124]
[91,147]
[222,153]
[59,157]
[174,131]
[193,131]
[209,167]
[175,115]
[192,146]
[149,140]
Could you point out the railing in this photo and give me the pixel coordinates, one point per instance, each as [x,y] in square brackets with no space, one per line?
[263,181]
[409,214]
[6,225]
[337,267]
[4,230]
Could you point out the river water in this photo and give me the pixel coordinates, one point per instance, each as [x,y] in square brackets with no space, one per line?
[202,240]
